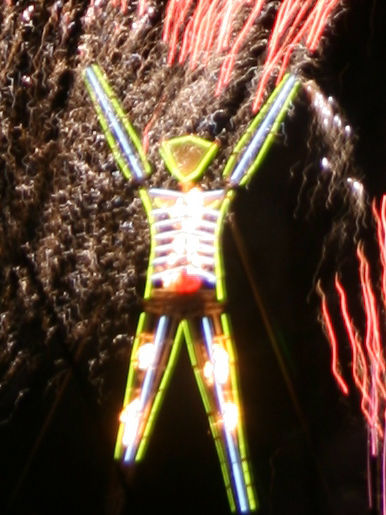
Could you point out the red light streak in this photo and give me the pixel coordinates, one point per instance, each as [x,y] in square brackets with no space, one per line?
[373,337]
[185,43]
[380,219]
[368,363]
[333,342]
[201,32]
[359,365]
[146,130]
[227,15]
[308,20]
[230,59]
[199,29]
[373,343]
[317,31]
[142,7]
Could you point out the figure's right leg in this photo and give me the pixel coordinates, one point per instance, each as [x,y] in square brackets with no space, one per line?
[212,354]
[153,356]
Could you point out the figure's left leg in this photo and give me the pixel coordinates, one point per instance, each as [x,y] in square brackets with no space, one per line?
[153,357]
[212,355]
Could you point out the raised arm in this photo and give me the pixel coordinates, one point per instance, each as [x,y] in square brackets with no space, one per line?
[120,134]
[258,138]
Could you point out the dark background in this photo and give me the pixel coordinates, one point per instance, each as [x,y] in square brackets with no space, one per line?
[58,428]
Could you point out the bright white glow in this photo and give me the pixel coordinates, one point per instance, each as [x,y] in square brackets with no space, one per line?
[337,121]
[325,164]
[356,186]
[219,368]
[28,13]
[208,371]
[221,364]
[230,415]
[185,233]
[130,418]
[146,355]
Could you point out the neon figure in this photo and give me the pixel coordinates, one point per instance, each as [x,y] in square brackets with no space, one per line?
[185,292]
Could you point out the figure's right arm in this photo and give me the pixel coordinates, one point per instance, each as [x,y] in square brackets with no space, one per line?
[119,133]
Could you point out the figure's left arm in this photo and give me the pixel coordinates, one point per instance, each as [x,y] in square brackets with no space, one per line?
[253,146]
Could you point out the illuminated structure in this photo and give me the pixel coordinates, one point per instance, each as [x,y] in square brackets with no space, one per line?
[185,292]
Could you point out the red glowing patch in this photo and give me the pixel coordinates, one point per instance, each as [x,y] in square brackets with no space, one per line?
[186,283]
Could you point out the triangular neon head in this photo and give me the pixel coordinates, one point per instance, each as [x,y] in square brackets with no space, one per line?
[187,157]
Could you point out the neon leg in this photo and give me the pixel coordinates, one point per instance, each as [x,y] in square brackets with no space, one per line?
[212,356]
[153,356]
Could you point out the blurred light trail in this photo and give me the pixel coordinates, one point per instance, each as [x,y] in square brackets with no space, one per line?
[359,364]
[334,345]
[380,219]
[368,362]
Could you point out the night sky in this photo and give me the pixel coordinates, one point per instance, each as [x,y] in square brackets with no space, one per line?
[307,446]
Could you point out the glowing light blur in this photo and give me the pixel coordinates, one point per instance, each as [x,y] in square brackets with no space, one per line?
[130,417]
[146,356]
[230,416]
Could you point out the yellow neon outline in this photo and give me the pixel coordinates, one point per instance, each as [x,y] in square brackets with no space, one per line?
[167,155]
[146,202]
[227,331]
[248,134]
[243,141]
[271,136]
[209,411]
[122,118]
[119,448]
[221,293]
[160,395]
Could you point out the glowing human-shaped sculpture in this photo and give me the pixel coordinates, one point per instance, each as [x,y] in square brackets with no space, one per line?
[185,293]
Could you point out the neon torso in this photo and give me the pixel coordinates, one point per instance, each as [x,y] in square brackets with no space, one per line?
[184,239]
